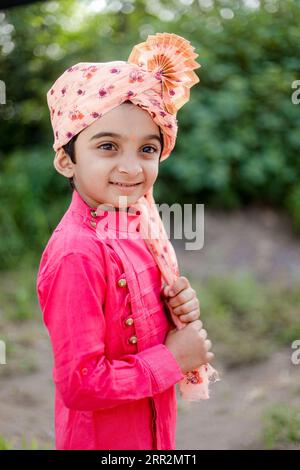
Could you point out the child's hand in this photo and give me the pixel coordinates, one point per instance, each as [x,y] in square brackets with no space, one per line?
[182,299]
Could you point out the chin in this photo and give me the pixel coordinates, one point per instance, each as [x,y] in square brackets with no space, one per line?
[130,199]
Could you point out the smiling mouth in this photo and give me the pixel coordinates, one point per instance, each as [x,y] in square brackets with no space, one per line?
[125,185]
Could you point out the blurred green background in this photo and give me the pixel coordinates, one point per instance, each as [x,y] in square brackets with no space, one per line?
[238,136]
[237,148]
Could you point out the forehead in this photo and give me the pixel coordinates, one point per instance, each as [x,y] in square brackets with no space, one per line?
[127,120]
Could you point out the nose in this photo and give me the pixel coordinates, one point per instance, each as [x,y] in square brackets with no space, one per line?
[130,165]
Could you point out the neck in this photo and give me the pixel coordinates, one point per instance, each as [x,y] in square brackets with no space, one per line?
[115,209]
[106,207]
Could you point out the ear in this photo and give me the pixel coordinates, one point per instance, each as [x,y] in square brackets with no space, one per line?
[63,163]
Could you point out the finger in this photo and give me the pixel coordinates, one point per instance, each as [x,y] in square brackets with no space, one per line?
[182,297]
[197,324]
[185,307]
[166,290]
[190,317]
[203,333]
[180,284]
[207,344]
[210,356]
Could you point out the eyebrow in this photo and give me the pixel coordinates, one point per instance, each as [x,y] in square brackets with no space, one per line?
[119,136]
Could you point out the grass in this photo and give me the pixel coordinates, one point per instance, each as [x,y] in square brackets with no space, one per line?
[5,444]
[20,320]
[20,350]
[25,443]
[18,295]
[247,320]
[282,427]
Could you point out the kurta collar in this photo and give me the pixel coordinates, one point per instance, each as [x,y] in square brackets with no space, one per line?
[124,221]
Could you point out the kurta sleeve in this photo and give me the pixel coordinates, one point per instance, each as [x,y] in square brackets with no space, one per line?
[71,299]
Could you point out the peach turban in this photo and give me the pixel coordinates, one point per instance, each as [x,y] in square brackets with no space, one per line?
[157,77]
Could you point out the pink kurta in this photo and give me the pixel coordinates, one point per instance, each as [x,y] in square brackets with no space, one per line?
[102,305]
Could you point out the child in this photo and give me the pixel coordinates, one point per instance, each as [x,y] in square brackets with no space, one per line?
[117,356]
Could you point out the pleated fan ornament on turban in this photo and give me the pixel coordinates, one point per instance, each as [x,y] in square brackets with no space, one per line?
[157,77]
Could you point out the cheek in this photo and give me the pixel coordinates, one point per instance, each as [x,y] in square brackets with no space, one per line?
[151,171]
[95,168]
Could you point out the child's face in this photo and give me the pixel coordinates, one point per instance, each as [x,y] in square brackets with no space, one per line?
[133,157]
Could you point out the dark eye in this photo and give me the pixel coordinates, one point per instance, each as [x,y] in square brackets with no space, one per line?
[150,147]
[102,146]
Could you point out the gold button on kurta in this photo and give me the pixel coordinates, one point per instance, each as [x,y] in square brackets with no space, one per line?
[129,322]
[93,223]
[93,213]
[133,340]
[122,282]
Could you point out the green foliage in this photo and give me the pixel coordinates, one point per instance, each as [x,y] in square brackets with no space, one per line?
[33,200]
[292,204]
[18,295]
[281,426]
[238,135]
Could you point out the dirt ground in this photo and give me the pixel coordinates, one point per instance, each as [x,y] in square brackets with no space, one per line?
[232,417]
[255,240]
